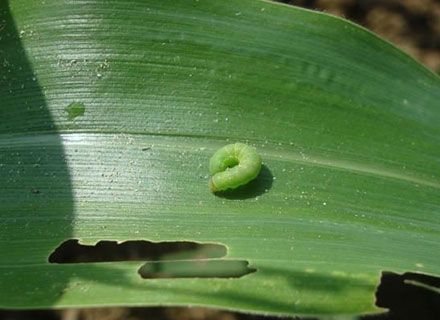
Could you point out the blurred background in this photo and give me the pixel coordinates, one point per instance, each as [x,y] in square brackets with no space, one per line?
[412,25]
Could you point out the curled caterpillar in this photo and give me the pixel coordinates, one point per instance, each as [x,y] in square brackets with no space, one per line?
[232,166]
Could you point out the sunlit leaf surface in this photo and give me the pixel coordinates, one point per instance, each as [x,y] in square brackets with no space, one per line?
[110,111]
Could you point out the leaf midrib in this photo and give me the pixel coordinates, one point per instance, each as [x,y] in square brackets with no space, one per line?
[268,153]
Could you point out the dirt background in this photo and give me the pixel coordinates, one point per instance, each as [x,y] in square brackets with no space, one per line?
[412,25]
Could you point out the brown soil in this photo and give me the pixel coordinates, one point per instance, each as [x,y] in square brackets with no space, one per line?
[412,25]
[135,314]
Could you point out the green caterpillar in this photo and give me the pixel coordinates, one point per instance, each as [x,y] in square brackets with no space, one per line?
[232,166]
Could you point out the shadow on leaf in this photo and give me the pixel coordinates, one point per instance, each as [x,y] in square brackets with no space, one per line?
[257,187]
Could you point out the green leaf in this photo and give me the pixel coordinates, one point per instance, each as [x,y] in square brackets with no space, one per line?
[347,126]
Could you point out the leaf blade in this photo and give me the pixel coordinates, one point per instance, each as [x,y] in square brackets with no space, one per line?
[355,166]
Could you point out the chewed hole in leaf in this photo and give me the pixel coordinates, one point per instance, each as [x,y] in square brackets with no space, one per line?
[71,251]
[177,259]
[409,295]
